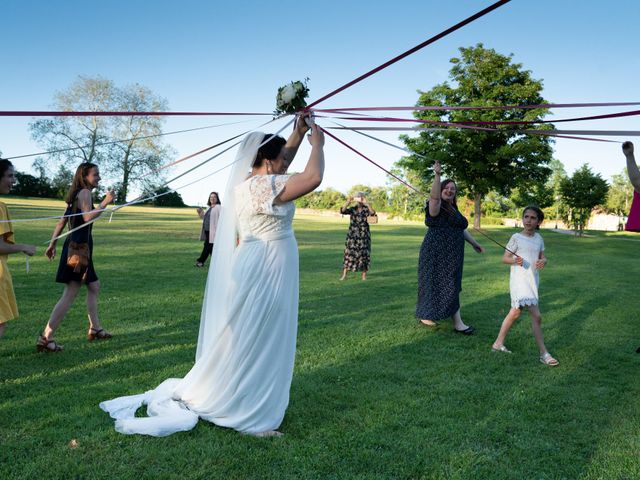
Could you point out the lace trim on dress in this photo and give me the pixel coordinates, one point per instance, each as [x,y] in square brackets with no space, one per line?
[524,302]
[264,189]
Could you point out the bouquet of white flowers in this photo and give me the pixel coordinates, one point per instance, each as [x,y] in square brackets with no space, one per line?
[292,97]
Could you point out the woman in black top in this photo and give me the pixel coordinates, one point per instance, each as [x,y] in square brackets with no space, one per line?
[442,256]
[80,207]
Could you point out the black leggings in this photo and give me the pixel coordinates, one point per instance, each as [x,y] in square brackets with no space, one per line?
[207,248]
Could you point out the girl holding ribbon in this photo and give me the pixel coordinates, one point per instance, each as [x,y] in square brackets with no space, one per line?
[525,255]
[80,215]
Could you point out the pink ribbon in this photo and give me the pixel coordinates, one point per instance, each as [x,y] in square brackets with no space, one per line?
[496,107]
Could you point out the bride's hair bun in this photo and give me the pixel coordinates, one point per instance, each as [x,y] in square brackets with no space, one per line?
[270,150]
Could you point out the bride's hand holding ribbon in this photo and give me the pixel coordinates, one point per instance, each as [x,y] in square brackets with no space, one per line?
[304,121]
[316,138]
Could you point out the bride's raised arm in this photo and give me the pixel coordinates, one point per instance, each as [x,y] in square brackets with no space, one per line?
[295,139]
[307,181]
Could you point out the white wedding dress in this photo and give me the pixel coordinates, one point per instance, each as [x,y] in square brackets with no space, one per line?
[246,347]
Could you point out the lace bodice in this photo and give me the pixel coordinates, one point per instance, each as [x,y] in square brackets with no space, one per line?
[256,214]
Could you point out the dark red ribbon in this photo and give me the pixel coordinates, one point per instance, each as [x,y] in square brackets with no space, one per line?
[368,159]
[466,123]
[412,50]
[18,113]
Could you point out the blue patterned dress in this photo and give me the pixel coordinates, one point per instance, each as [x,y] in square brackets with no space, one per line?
[440,264]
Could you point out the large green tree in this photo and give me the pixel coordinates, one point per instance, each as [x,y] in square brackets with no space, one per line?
[126,148]
[620,194]
[482,161]
[582,192]
[404,202]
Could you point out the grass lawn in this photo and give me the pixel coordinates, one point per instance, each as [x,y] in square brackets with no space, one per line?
[373,395]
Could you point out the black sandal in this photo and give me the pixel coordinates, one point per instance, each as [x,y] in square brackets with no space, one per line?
[100,334]
[43,345]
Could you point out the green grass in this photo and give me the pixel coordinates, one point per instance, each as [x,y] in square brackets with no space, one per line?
[373,395]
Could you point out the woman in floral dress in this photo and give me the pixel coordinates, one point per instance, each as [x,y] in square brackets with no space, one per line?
[357,250]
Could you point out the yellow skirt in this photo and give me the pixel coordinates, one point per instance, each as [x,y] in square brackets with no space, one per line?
[8,305]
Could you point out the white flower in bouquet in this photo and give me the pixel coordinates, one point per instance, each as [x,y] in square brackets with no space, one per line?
[292,97]
[288,93]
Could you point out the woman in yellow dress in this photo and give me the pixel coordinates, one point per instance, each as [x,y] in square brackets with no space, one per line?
[8,306]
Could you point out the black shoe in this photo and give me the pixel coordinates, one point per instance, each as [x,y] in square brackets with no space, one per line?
[467,331]
[638,350]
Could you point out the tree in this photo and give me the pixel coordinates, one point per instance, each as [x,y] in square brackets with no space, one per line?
[134,161]
[30,186]
[353,191]
[376,196]
[330,199]
[583,191]
[496,205]
[482,161]
[118,145]
[558,174]
[620,194]
[539,194]
[167,198]
[378,199]
[62,181]
[402,201]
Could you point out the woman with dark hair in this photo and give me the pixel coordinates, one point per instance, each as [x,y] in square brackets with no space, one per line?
[8,306]
[247,341]
[357,248]
[442,256]
[79,212]
[209,224]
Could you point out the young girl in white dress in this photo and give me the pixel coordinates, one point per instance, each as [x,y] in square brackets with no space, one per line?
[525,254]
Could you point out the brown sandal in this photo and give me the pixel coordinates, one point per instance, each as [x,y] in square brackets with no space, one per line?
[100,334]
[45,345]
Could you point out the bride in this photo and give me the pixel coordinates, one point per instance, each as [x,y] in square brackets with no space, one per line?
[246,345]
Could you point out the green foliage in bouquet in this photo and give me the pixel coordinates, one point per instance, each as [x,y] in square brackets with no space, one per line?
[292,97]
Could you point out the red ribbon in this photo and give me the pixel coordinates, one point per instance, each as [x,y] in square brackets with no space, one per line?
[466,123]
[412,50]
[552,133]
[368,159]
[18,113]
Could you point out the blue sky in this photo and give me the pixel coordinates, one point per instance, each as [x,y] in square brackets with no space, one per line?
[232,56]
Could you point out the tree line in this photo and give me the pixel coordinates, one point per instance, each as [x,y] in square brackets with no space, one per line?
[571,199]
[28,185]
